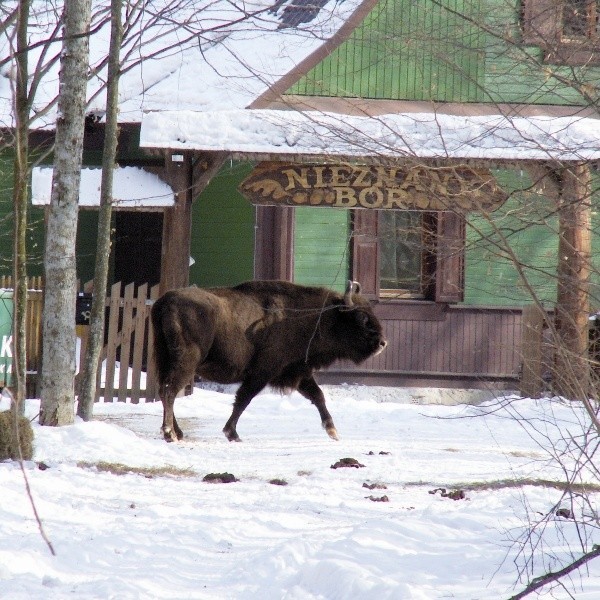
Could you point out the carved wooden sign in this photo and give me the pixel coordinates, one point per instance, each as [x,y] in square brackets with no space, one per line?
[459,188]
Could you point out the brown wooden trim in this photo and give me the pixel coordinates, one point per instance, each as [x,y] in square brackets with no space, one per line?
[409,379]
[304,66]
[274,243]
[365,107]
[406,310]
[573,54]
[542,25]
[540,22]
[450,257]
[365,251]
[205,165]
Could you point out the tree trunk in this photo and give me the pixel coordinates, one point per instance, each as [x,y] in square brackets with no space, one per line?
[96,339]
[20,200]
[58,322]
[572,369]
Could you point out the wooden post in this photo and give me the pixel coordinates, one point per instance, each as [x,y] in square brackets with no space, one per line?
[531,384]
[572,367]
[274,257]
[188,175]
[177,223]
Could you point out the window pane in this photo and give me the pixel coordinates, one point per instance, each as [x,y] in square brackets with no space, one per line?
[400,246]
[579,19]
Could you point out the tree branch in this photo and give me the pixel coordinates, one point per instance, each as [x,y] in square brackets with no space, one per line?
[542,580]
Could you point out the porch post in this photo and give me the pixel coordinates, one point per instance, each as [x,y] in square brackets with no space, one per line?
[572,367]
[177,220]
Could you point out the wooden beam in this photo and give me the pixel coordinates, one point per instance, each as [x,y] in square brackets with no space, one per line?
[177,221]
[532,383]
[572,367]
[273,257]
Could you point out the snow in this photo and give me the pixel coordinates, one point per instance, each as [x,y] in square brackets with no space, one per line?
[197,54]
[422,135]
[132,187]
[168,534]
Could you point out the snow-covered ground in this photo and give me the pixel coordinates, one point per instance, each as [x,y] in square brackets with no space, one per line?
[160,531]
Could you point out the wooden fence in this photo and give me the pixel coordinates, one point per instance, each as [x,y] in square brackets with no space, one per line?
[127,369]
[35,299]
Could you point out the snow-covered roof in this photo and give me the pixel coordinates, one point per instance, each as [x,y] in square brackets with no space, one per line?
[132,188]
[185,55]
[420,135]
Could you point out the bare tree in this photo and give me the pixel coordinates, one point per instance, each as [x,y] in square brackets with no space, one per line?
[58,367]
[20,203]
[87,392]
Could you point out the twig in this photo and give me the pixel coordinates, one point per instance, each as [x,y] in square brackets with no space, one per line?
[25,478]
[542,580]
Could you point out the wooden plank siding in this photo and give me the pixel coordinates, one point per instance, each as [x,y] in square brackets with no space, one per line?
[468,347]
[445,51]
[223,230]
[322,247]
[406,50]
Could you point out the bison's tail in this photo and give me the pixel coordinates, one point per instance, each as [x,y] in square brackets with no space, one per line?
[161,347]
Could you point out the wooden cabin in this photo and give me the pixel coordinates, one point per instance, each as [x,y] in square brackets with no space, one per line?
[451,301]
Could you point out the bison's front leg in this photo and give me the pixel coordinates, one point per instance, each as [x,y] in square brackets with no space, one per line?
[243,397]
[310,389]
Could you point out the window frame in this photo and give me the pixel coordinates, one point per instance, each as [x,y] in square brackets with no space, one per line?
[443,261]
[425,237]
[542,25]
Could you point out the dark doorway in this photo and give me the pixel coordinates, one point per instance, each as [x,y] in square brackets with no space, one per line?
[137,251]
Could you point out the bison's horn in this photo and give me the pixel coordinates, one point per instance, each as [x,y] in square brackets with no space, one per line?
[353,287]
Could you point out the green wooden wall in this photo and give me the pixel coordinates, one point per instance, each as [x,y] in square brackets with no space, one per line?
[322,247]
[444,50]
[527,226]
[35,233]
[405,49]
[223,231]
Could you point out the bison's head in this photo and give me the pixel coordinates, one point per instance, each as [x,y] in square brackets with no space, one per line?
[357,327]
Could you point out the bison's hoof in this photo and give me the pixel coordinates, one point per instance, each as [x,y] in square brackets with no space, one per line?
[231,435]
[170,435]
[332,433]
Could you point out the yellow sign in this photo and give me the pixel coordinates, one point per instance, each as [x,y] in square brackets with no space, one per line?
[459,188]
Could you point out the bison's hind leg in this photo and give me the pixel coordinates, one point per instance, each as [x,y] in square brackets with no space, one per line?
[170,428]
[180,373]
[309,388]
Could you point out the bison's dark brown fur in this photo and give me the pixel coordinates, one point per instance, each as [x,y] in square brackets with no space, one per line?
[258,333]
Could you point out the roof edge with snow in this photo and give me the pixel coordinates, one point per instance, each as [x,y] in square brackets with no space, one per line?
[430,135]
[132,188]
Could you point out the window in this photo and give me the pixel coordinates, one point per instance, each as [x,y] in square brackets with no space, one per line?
[567,30]
[401,247]
[579,20]
[401,254]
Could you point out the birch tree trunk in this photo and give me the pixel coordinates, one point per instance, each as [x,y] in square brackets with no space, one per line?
[58,322]
[96,340]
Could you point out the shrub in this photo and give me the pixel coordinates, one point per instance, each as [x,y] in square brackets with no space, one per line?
[9,448]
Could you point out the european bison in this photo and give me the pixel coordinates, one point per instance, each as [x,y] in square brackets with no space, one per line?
[258,333]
